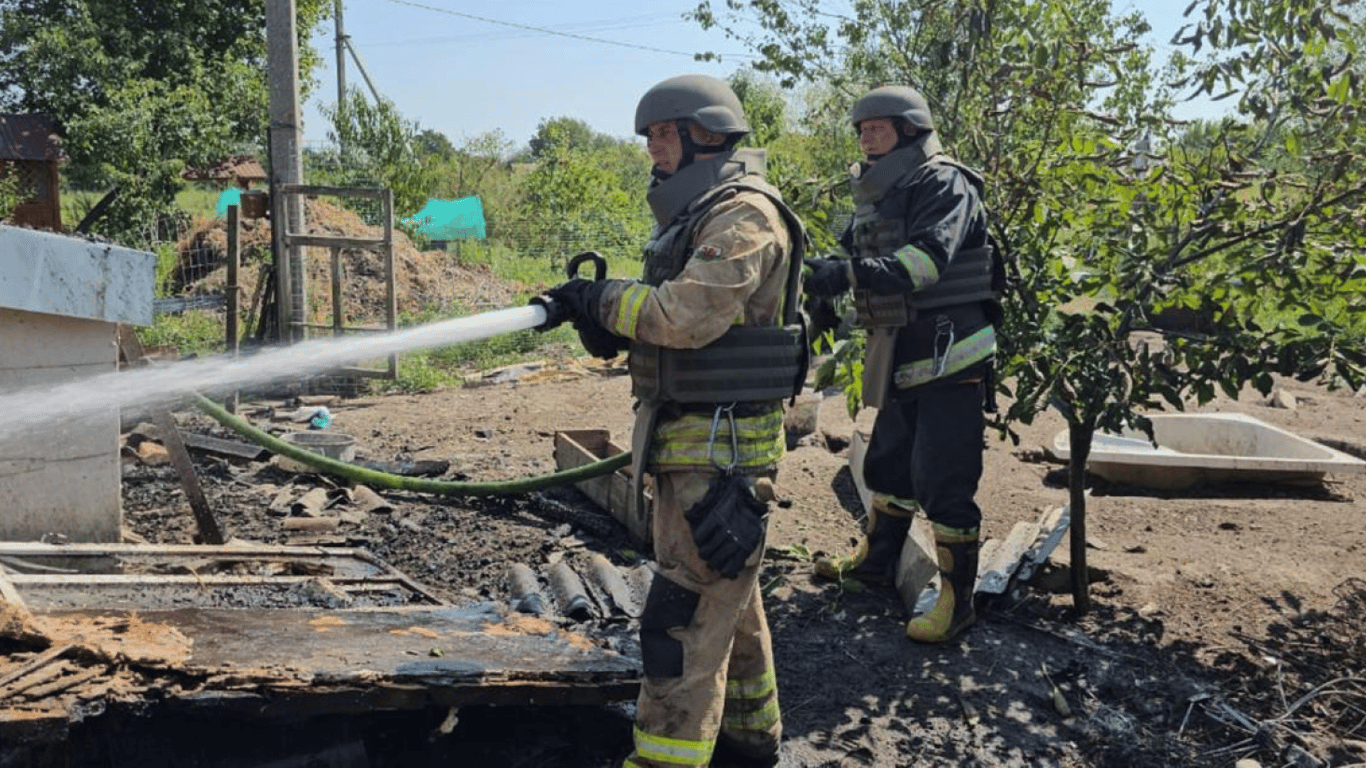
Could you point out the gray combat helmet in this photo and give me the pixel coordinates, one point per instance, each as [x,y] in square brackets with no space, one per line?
[894,101]
[692,97]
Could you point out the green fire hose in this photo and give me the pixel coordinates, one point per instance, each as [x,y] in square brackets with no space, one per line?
[376,479]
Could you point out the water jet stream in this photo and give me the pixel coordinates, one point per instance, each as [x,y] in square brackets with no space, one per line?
[26,410]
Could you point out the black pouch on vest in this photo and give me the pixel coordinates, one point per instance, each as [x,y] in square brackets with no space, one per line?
[727,524]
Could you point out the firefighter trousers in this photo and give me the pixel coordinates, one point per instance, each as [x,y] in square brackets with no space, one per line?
[705,645]
[929,448]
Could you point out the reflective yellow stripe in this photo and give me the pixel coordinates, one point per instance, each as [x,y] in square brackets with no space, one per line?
[956,534]
[662,749]
[894,505]
[683,442]
[628,310]
[970,351]
[752,687]
[760,719]
[918,265]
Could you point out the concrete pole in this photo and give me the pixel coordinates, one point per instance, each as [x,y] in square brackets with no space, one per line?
[341,66]
[286,165]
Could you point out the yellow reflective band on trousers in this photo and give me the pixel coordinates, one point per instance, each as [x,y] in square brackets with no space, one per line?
[970,351]
[628,310]
[918,265]
[661,749]
[682,443]
[753,687]
[752,704]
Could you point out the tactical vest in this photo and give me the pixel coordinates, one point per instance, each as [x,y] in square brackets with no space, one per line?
[747,364]
[880,228]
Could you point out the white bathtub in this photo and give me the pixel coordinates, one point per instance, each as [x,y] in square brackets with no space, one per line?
[1206,449]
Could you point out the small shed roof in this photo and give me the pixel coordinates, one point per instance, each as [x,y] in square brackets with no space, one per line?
[30,137]
[230,168]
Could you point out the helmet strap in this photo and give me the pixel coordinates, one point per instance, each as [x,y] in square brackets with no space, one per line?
[904,139]
[689,146]
[692,149]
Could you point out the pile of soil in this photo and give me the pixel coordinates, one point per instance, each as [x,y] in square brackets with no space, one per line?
[427,283]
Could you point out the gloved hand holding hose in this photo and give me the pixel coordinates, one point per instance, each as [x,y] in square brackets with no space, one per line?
[828,276]
[576,301]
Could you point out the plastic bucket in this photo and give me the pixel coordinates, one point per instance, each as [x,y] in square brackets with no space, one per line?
[333,445]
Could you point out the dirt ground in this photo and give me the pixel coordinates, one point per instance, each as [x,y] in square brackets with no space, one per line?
[1227,623]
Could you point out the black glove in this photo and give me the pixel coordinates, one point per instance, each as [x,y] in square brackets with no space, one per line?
[599,341]
[823,315]
[829,277]
[727,524]
[570,300]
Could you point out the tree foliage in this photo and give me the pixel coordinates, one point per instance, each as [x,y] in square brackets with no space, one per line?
[1111,210]
[561,134]
[382,149]
[140,88]
[583,188]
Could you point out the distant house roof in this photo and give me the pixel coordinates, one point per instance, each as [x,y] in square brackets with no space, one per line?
[230,168]
[30,137]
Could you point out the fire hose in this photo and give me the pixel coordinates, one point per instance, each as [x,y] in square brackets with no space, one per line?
[536,315]
[376,479]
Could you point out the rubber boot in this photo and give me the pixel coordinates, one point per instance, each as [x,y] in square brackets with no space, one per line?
[878,554]
[953,612]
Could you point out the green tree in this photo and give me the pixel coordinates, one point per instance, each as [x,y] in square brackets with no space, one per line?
[561,134]
[381,151]
[577,194]
[1256,226]
[765,107]
[433,145]
[140,88]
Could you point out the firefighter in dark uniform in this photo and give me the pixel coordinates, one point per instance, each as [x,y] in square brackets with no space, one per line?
[715,347]
[920,268]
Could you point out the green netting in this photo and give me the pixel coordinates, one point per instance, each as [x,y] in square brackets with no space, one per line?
[450,219]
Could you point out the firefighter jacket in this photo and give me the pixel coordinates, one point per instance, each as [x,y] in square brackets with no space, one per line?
[721,265]
[921,264]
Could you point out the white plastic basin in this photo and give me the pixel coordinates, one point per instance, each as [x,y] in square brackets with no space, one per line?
[1208,448]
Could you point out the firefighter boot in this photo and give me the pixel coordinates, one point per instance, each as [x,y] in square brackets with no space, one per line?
[953,612]
[878,554]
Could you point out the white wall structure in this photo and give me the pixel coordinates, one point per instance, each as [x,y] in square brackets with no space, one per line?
[62,300]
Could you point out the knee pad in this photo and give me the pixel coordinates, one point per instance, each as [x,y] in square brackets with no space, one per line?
[667,606]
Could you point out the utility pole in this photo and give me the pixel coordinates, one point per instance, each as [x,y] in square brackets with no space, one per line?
[286,166]
[341,66]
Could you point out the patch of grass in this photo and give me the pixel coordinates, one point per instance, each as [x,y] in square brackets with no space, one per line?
[199,201]
[190,332]
[433,369]
[507,263]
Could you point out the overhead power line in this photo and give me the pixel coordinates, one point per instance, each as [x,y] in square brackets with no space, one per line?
[543,30]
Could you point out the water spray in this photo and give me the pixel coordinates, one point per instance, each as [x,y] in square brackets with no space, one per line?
[27,409]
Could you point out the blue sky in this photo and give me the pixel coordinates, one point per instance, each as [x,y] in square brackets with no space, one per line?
[451,68]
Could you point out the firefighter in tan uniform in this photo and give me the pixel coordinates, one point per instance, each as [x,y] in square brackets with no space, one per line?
[715,346]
